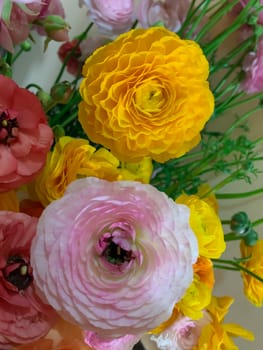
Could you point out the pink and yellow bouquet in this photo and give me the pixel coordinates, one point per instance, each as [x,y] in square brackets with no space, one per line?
[111,179]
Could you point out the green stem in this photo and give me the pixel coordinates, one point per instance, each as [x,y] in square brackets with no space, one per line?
[245,100]
[240,20]
[240,267]
[232,164]
[19,53]
[69,119]
[225,267]
[241,120]
[222,183]
[257,222]
[200,16]
[215,18]
[33,85]
[231,237]
[81,37]
[238,195]
[225,222]
[223,62]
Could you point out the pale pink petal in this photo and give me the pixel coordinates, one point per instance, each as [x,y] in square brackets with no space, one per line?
[126,342]
[114,294]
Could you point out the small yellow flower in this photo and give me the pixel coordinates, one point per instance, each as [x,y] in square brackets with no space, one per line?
[196,299]
[9,201]
[253,288]
[72,159]
[206,225]
[218,336]
[146,94]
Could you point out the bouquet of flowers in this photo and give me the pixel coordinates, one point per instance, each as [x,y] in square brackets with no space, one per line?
[112,180]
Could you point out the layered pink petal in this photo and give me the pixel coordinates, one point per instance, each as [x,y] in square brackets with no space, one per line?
[107,252]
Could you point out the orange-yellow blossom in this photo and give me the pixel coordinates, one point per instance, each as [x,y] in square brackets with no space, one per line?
[146,94]
[216,335]
[74,158]
[253,288]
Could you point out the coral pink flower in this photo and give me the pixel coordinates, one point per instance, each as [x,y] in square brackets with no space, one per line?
[183,334]
[23,316]
[111,16]
[171,13]
[253,68]
[124,343]
[15,31]
[25,137]
[114,257]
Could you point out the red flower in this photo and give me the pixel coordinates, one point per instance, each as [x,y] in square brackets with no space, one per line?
[25,137]
[72,62]
[23,316]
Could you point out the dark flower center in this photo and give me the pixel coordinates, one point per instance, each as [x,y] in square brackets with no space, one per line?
[116,255]
[8,128]
[18,272]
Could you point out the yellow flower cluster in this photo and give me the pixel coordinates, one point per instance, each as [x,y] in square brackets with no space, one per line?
[217,335]
[146,94]
[74,158]
[207,227]
[253,288]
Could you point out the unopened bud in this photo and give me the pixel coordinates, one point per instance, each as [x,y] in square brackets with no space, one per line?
[240,223]
[5,69]
[56,27]
[251,238]
[61,92]
[26,46]
[58,131]
[44,98]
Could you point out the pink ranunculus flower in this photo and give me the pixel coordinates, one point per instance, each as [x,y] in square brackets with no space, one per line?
[114,257]
[111,16]
[183,334]
[23,316]
[171,13]
[253,69]
[126,342]
[25,137]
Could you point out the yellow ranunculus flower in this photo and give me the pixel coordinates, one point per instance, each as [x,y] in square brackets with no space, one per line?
[9,201]
[253,288]
[206,225]
[209,199]
[74,158]
[218,336]
[146,94]
[196,299]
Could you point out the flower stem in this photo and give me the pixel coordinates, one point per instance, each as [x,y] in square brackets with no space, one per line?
[225,267]
[239,195]
[70,119]
[215,18]
[81,37]
[238,266]
[222,183]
